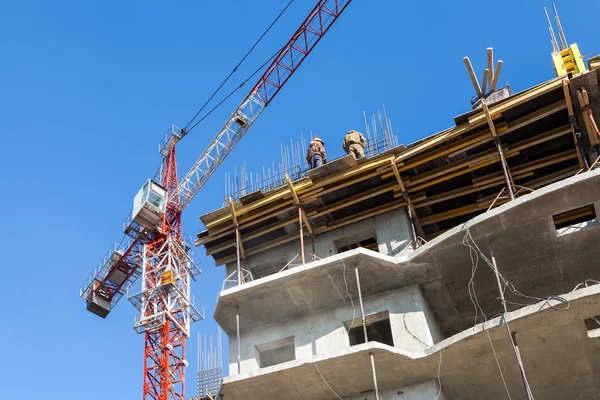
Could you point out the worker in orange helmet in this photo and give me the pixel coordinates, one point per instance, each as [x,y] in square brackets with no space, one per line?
[315,156]
[354,143]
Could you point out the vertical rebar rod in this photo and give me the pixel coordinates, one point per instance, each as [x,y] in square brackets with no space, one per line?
[561,33]
[198,355]
[552,36]
[364,323]
[239,348]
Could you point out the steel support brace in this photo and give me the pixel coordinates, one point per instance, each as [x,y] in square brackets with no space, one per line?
[412,213]
[239,244]
[507,176]
[511,335]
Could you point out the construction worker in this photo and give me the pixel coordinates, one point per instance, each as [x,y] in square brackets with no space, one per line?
[354,143]
[315,156]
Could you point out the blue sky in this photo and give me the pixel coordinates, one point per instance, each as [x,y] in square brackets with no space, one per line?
[88,88]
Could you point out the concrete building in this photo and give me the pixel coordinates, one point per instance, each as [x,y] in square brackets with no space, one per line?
[469,258]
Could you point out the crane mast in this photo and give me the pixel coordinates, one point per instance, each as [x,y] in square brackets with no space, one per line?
[154,246]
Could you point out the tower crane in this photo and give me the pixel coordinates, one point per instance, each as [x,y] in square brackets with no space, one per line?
[154,245]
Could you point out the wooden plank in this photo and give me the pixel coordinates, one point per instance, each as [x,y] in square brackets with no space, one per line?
[518,123]
[490,64]
[258,204]
[541,138]
[297,201]
[260,232]
[412,214]
[497,110]
[530,166]
[247,221]
[356,199]
[472,75]
[310,196]
[496,75]
[238,240]
[457,173]
[343,175]
[457,147]
[360,216]
[484,81]
[257,249]
[554,177]
[463,191]
[457,212]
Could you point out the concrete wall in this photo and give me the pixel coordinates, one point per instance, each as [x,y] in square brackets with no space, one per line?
[321,333]
[429,390]
[392,231]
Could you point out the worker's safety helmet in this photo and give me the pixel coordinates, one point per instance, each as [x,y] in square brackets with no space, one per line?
[318,140]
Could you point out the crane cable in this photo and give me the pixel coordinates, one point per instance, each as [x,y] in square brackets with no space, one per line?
[236,89]
[233,71]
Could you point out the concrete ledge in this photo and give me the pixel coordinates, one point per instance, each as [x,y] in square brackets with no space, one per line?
[528,250]
[549,341]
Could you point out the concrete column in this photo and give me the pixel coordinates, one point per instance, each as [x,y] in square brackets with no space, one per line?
[393,232]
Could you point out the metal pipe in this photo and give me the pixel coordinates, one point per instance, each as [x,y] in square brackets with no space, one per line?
[237,250]
[372,356]
[301,235]
[364,323]
[511,335]
[493,256]
[362,310]
[239,348]
[513,341]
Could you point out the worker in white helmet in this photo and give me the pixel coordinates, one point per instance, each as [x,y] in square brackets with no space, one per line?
[354,143]
[315,156]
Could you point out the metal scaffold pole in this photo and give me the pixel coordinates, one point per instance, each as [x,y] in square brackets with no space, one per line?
[364,324]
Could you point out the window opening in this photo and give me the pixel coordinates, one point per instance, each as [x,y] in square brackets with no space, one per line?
[379,329]
[575,220]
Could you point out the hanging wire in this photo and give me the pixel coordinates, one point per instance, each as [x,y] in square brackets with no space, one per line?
[238,65]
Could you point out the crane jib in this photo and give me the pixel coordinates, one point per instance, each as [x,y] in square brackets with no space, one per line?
[291,56]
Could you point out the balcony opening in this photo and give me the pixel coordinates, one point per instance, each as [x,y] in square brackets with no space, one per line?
[575,220]
[366,239]
[379,329]
[276,352]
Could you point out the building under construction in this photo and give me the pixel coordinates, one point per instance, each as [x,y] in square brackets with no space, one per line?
[461,266]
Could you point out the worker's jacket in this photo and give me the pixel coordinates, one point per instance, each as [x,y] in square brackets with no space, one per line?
[353,137]
[315,147]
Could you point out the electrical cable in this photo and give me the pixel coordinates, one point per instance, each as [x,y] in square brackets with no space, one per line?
[439,378]
[324,380]
[350,297]
[237,88]
[498,363]
[238,65]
